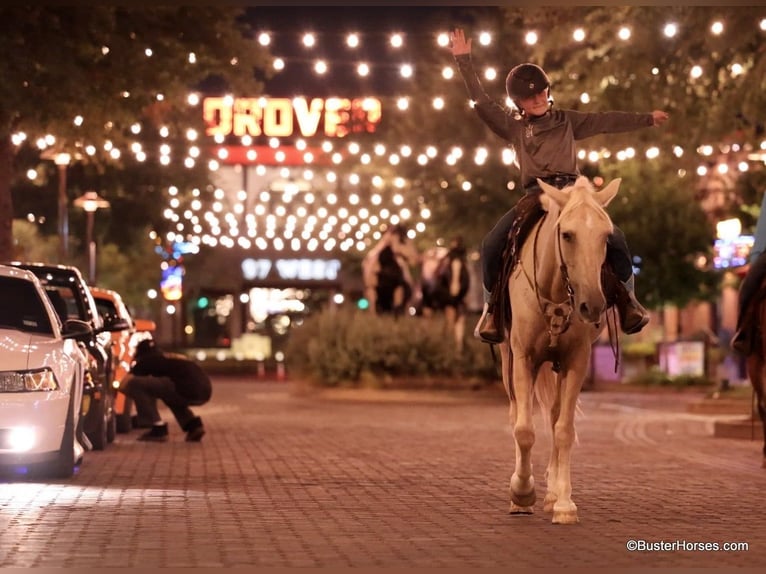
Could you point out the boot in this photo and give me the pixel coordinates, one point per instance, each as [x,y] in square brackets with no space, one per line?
[739,341]
[633,316]
[486,330]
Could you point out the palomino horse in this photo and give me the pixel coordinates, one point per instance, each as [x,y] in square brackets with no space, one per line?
[558,309]
[755,360]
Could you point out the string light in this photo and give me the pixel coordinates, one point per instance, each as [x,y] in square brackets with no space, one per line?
[367,223]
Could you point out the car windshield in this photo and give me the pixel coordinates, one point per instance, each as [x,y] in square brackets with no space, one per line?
[21,307]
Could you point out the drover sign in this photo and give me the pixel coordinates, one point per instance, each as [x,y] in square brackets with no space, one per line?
[283,117]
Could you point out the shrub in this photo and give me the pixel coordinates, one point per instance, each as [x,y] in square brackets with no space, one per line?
[347,346]
[655,377]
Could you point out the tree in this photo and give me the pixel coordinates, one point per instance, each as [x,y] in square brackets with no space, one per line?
[97,80]
[708,105]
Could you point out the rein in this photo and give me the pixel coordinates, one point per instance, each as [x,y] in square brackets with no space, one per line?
[558,315]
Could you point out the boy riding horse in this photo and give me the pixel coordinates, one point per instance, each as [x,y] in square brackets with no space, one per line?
[544,140]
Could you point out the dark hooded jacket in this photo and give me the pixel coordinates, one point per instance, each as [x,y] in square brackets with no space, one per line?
[189,378]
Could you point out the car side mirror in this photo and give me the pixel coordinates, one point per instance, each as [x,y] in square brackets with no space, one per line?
[76,329]
[113,323]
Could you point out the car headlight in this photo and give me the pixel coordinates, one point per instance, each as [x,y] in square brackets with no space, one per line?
[25,381]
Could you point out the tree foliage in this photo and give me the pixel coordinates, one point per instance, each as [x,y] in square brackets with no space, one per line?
[108,76]
[63,63]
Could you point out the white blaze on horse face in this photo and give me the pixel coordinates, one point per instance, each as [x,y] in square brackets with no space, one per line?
[583,228]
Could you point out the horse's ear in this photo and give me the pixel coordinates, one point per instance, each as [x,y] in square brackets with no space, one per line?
[559,196]
[608,193]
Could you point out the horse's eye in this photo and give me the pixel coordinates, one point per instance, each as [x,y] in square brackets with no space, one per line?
[567,236]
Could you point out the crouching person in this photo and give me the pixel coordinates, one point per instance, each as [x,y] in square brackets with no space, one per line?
[175,380]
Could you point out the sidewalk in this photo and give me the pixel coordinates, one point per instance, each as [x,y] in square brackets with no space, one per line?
[369,479]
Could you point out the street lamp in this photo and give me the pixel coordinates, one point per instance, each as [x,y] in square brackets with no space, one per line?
[62,162]
[90,201]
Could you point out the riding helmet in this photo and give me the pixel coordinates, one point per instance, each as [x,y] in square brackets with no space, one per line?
[526,80]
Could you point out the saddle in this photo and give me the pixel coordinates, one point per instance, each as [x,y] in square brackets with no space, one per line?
[529,213]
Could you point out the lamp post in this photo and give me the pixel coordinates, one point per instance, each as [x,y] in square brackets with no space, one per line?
[91,202]
[62,162]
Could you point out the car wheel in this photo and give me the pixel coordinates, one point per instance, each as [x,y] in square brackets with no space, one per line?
[98,435]
[123,420]
[111,425]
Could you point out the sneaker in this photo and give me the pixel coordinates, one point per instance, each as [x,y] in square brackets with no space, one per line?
[195,435]
[194,430]
[158,433]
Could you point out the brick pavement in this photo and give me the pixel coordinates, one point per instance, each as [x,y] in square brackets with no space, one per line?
[408,479]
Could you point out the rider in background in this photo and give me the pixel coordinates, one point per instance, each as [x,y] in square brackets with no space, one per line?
[544,140]
[386,271]
[751,282]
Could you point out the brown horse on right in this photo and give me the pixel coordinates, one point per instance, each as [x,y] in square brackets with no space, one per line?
[755,358]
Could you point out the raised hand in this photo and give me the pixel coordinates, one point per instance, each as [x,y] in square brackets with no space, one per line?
[458,42]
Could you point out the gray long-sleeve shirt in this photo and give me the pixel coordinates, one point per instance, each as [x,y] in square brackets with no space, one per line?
[545,145]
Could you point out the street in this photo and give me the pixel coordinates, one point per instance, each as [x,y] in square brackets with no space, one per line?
[289,478]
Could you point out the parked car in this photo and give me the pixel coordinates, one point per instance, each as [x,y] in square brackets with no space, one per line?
[111,305]
[43,369]
[67,283]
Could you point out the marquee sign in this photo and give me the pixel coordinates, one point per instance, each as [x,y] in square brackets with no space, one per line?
[291,269]
[284,117]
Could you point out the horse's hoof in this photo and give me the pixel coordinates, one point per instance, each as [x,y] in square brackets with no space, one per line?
[550,500]
[565,517]
[523,500]
[565,513]
[518,510]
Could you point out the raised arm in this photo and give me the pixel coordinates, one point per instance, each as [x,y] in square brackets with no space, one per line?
[492,113]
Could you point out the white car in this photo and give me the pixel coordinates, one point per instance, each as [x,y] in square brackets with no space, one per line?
[43,366]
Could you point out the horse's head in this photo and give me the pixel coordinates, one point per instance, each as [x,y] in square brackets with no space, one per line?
[582,229]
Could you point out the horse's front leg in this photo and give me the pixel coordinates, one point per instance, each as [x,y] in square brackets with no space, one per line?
[523,494]
[552,472]
[564,509]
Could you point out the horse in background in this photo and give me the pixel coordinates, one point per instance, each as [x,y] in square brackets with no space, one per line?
[755,358]
[558,310]
[386,274]
[444,284]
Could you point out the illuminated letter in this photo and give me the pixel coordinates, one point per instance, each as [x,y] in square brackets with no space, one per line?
[308,119]
[247,117]
[278,118]
[217,116]
[336,117]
